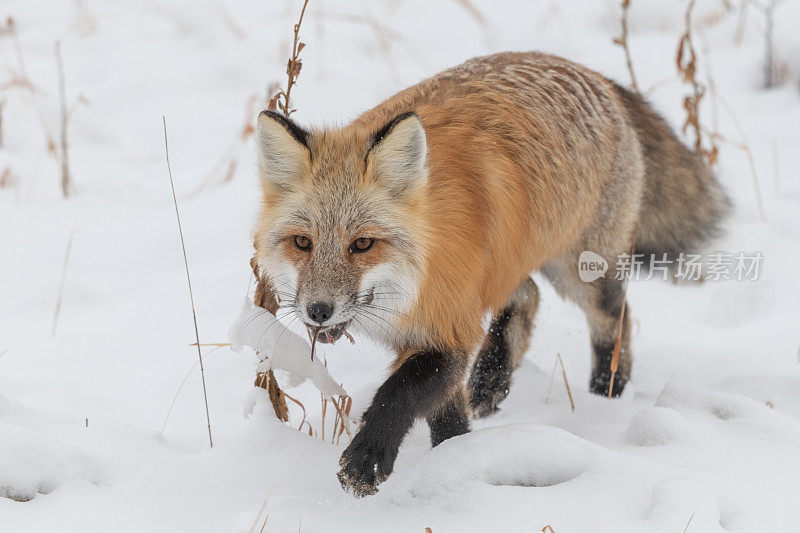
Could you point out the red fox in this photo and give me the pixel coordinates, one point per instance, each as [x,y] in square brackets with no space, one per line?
[431,210]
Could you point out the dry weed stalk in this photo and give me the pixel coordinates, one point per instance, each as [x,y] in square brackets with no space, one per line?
[265,294]
[686,63]
[188,281]
[5,177]
[688,523]
[2,108]
[622,41]
[217,346]
[620,322]
[775,72]
[741,23]
[266,298]
[558,362]
[282,98]
[22,81]
[61,284]
[66,178]
[261,510]
[267,381]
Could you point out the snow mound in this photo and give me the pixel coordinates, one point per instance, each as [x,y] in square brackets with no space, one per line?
[522,455]
[656,425]
[32,463]
[676,501]
[280,348]
[735,411]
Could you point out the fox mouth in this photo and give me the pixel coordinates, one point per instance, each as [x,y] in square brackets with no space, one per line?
[331,334]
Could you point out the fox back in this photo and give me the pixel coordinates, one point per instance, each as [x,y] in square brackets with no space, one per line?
[460,186]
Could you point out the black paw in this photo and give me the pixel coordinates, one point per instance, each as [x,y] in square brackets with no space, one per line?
[600,382]
[364,465]
[486,391]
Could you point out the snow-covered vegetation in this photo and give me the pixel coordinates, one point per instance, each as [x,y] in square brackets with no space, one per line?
[707,432]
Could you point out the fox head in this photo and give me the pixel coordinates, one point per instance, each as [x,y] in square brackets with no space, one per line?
[340,236]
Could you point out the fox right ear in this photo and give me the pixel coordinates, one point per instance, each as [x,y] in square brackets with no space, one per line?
[283,152]
[399,154]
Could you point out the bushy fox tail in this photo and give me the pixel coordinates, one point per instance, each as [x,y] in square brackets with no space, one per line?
[683,205]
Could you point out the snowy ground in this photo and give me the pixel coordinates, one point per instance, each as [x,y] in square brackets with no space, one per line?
[709,427]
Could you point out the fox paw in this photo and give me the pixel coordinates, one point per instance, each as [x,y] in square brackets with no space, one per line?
[364,465]
[486,392]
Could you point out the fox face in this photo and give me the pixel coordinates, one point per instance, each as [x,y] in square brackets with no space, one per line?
[336,234]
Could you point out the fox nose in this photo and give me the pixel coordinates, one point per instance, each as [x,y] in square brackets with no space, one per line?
[319,312]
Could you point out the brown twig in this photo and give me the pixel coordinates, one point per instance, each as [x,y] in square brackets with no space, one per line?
[282,98]
[61,284]
[2,108]
[774,74]
[557,362]
[188,281]
[22,81]
[620,322]
[303,407]
[66,178]
[622,41]
[343,416]
[261,510]
[686,64]
[267,381]
[688,523]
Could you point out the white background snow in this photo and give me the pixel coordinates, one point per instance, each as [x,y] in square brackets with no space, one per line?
[709,427]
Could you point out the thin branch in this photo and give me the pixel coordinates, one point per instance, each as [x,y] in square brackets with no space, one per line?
[185,379]
[189,282]
[622,41]
[61,284]
[621,321]
[66,180]
[292,70]
[558,362]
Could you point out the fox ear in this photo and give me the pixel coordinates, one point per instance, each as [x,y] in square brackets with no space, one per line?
[283,152]
[399,154]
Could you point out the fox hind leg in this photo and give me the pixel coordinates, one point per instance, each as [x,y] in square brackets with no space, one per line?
[502,350]
[603,320]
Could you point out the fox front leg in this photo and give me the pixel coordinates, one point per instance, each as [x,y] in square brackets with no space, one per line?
[420,386]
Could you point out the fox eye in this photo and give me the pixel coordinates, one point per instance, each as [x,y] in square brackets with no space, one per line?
[302,242]
[361,244]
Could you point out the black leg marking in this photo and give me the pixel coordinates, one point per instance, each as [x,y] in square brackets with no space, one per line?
[604,336]
[491,375]
[420,386]
[601,376]
[450,421]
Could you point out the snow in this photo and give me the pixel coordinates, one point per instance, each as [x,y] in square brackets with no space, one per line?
[708,428]
[280,349]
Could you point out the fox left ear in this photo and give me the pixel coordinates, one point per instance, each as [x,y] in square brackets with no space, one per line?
[283,150]
[399,153]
